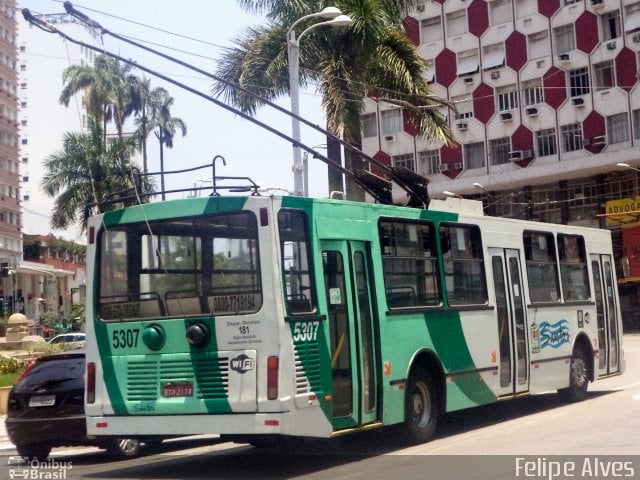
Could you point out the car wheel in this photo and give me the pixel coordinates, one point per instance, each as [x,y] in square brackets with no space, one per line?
[34,451]
[123,447]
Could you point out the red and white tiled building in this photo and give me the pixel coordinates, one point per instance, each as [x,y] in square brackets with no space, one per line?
[548,103]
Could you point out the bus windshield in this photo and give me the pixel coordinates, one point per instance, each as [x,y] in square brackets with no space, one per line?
[180,267]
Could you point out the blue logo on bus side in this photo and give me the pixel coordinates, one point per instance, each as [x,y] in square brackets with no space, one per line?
[554,335]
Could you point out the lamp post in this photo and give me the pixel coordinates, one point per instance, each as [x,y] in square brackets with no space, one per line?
[337,19]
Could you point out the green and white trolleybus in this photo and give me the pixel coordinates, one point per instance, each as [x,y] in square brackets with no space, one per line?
[264,315]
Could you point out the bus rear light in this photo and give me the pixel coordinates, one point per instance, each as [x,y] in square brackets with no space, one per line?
[102,425]
[91,382]
[271,423]
[92,235]
[264,217]
[272,377]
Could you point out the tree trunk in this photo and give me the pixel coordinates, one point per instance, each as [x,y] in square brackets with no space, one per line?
[354,162]
[334,154]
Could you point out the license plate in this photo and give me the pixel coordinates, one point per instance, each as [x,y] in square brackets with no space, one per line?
[183,389]
[42,401]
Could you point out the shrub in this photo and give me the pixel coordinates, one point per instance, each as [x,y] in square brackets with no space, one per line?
[11,365]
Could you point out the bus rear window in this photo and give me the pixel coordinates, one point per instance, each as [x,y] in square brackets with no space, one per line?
[180,267]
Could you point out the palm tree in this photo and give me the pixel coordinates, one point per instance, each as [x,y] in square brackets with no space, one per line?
[87,174]
[159,118]
[373,55]
[109,90]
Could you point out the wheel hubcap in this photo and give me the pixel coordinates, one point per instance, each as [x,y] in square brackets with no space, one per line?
[421,405]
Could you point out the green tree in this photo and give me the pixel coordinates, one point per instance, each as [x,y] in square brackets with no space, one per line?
[155,116]
[109,90]
[87,175]
[346,64]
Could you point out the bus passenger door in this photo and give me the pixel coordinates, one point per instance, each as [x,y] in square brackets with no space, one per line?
[512,355]
[349,294]
[607,315]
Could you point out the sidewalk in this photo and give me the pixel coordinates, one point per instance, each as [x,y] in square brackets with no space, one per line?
[5,444]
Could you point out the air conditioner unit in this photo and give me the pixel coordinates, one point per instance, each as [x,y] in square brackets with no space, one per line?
[420,7]
[468,79]
[636,38]
[389,138]
[611,45]
[599,140]
[506,116]
[577,102]
[527,154]
[564,57]
[461,125]
[459,166]
[531,111]
[443,167]
[495,75]
[515,155]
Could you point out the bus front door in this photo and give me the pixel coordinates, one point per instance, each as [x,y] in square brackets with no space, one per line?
[349,294]
[607,315]
[512,355]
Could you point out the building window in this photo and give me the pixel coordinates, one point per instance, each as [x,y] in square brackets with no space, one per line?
[428,162]
[464,107]
[571,2]
[391,121]
[405,160]
[474,155]
[546,142]
[457,23]
[632,17]
[618,128]
[369,125]
[500,12]
[571,137]
[636,124]
[579,82]
[468,62]
[610,25]
[493,56]
[431,29]
[604,75]
[538,45]
[565,39]
[533,92]
[507,98]
[499,150]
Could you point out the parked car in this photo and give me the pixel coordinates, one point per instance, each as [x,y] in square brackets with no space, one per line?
[70,340]
[46,409]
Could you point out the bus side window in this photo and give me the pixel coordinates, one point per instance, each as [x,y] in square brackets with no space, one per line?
[463,264]
[409,263]
[542,271]
[573,267]
[295,252]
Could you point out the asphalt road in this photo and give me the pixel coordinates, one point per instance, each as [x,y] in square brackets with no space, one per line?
[537,437]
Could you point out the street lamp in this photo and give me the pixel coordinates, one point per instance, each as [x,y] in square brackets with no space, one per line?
[336,19]
[626,165]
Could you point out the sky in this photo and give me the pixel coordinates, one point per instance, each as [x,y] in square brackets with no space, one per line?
[210,25]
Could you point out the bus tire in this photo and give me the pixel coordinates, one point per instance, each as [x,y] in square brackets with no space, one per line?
[123,447]
[422,407]
[578,377]
[34,451]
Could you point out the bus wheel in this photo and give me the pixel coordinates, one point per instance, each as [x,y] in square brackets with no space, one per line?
[422,409]
[578,377]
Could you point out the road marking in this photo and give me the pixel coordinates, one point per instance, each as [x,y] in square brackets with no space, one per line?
[635,397]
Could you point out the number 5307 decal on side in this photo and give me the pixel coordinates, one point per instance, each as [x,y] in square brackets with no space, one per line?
[305,331]
[125,338]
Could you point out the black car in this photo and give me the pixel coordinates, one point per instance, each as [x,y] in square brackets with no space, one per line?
[46,409]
